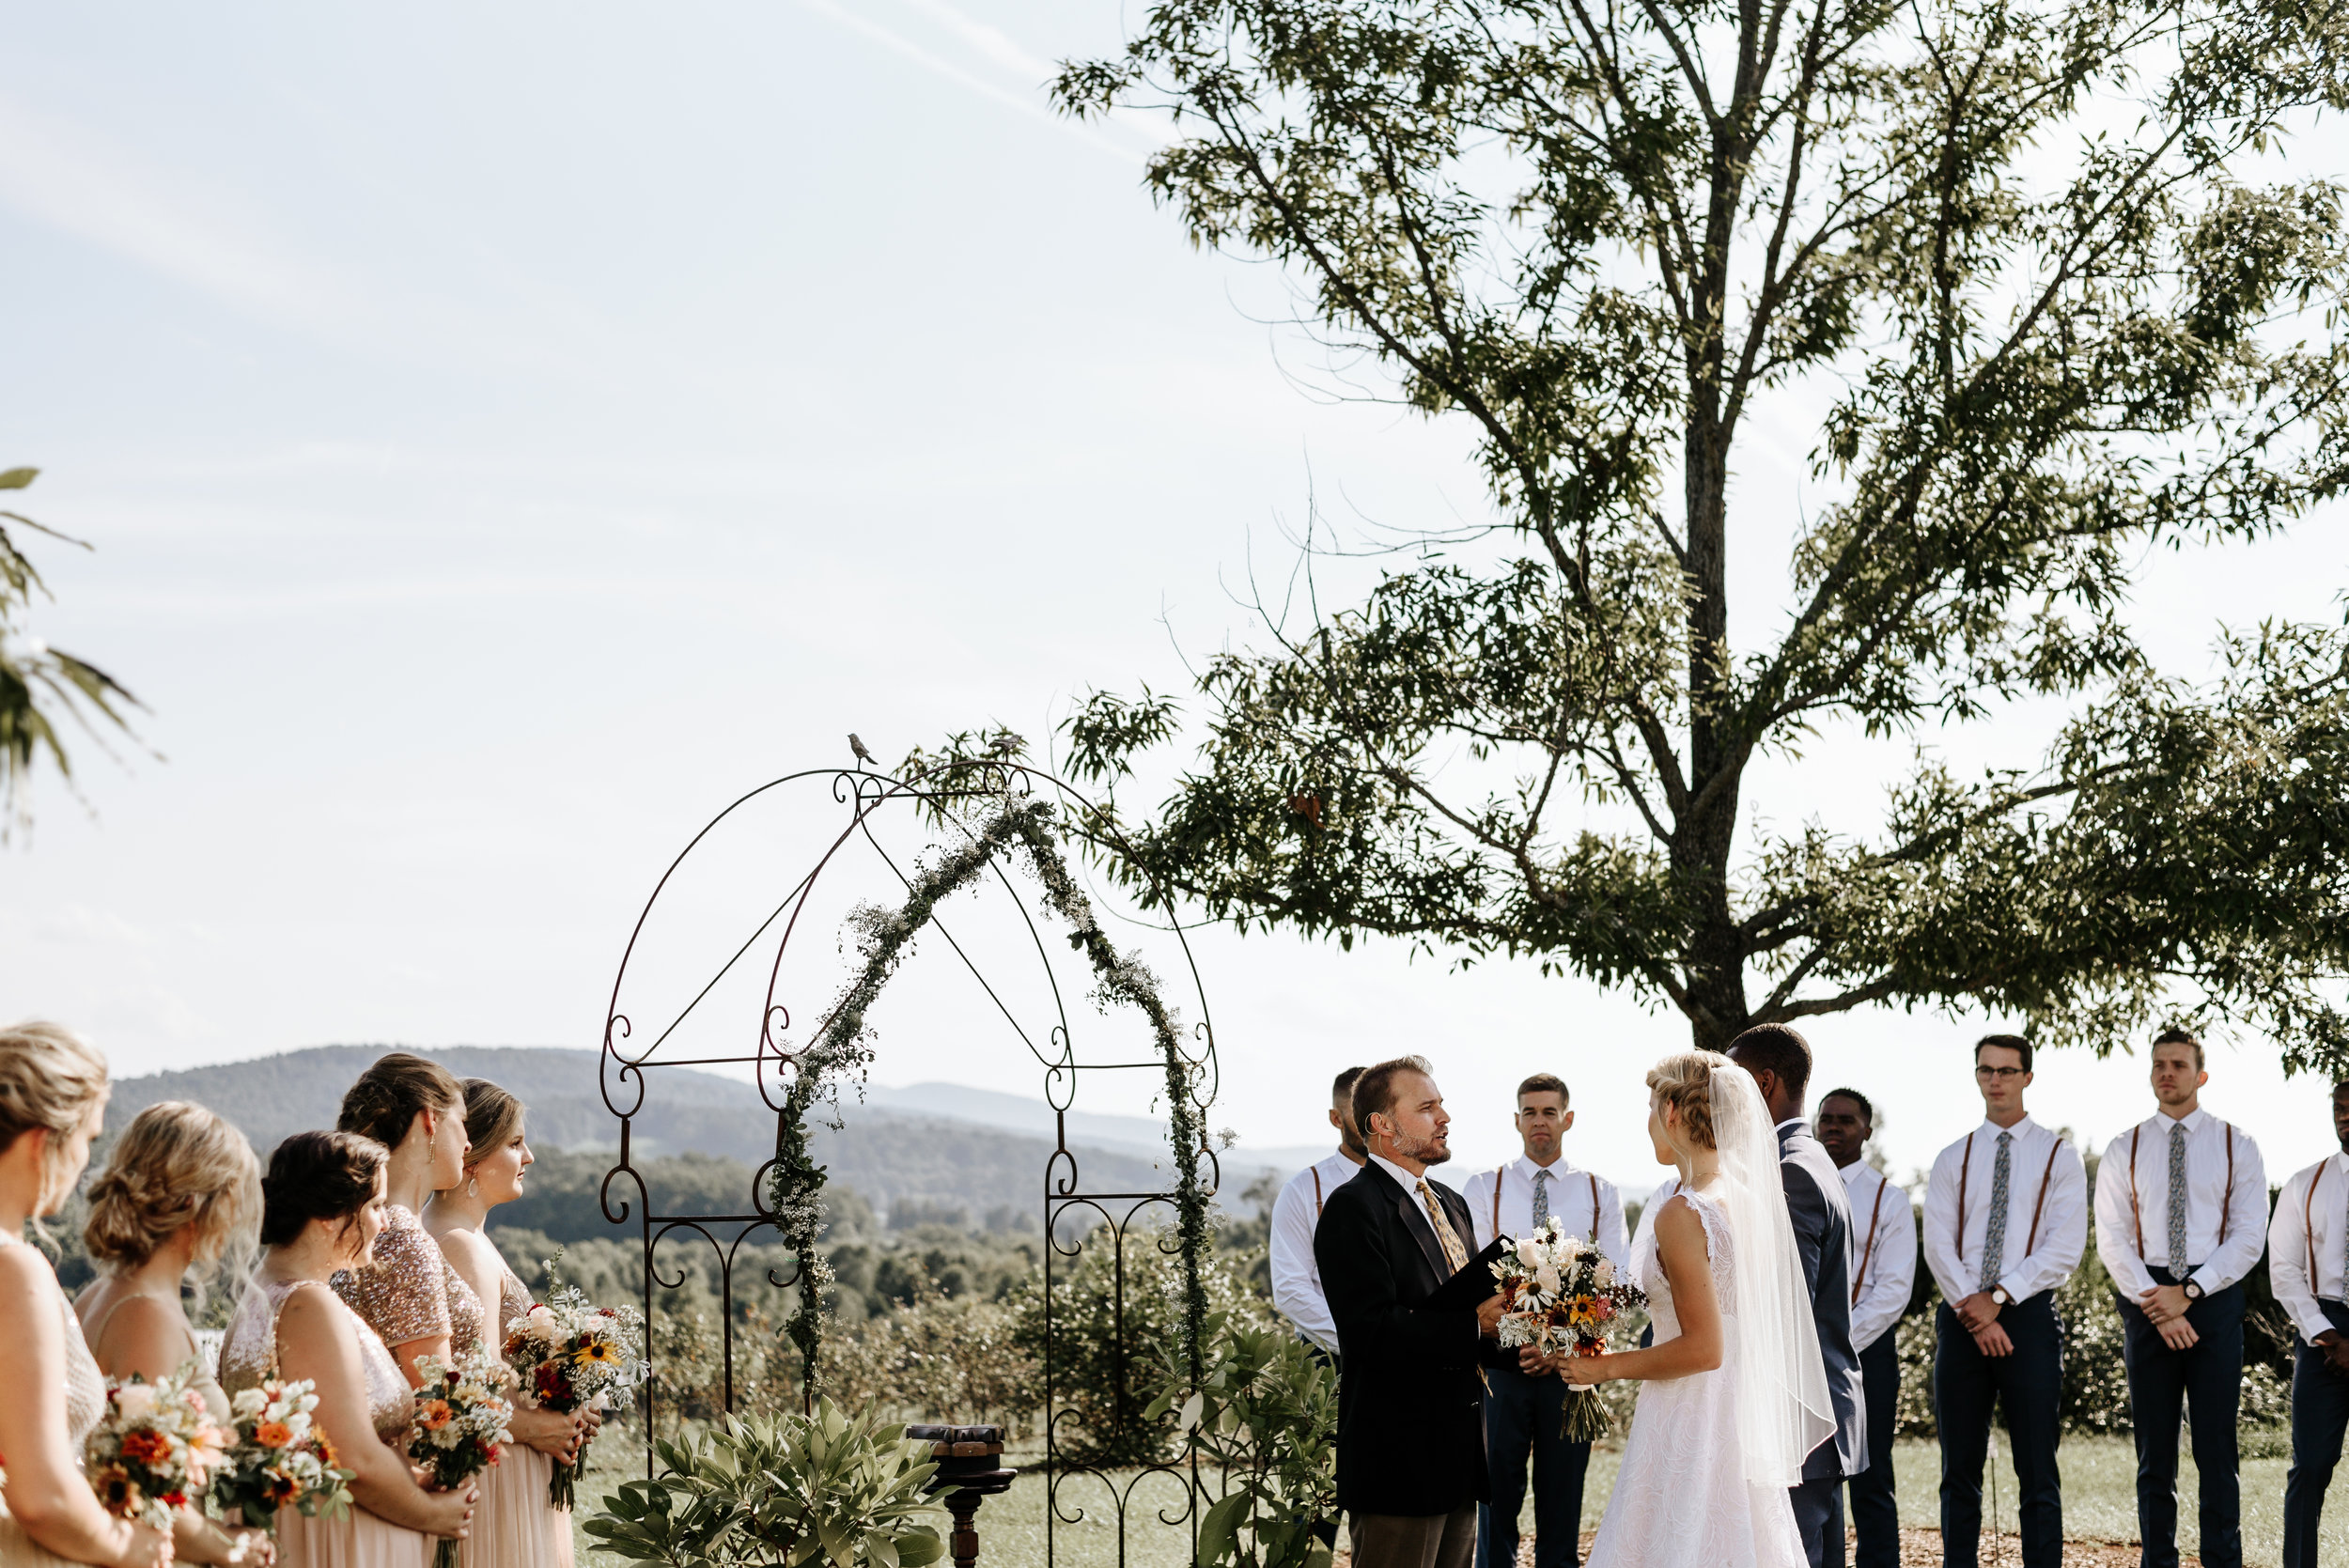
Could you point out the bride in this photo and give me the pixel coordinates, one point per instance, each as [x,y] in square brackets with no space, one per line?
[1736,1394]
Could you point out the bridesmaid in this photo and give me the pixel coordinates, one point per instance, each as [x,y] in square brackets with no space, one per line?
[409,1295]
[322,1210]
[53,1096]
[517,1528]
[180,1188]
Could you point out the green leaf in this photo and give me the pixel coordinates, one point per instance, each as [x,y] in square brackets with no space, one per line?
[17,478]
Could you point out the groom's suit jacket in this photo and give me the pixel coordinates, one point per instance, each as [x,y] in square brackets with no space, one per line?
[1818,1203]
[1411,1401]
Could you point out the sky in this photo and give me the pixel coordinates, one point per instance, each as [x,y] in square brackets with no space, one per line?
[508,436]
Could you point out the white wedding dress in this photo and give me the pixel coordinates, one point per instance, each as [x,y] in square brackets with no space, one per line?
[1683,1498]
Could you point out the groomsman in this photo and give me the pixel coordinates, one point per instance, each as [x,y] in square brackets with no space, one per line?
[2006,1221]
[2181,1218]
[1779,1058]
[1522,1414]
[1883,1280]
[1297,1293]
[2307,1259]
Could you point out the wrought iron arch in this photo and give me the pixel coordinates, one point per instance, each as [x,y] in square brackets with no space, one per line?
[945,801]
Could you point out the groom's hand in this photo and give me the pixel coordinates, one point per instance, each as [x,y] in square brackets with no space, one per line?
[1488,1316]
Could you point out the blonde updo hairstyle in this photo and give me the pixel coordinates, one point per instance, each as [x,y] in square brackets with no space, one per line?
[1685,1083]
[176,1167]
[50,1078]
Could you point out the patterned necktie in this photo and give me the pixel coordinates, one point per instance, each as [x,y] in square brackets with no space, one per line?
[1454,1253]
[1994,1238]
[2177,1199]
[1541,1199]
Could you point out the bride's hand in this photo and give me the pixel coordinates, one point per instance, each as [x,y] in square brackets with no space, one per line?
[1581,1371]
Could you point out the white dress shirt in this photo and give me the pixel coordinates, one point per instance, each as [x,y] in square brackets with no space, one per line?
[1297,1293]
[2036,1157]
[1883,1252]
[1583,1204]
[2211,1208]
[2300,1220]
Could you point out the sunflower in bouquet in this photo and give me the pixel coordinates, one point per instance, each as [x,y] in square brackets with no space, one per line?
[460,1425]
[571,1355]
[154,1447]
[1561,1293]
[278,1457]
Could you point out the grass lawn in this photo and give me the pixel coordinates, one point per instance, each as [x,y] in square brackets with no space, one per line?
[2099,1504]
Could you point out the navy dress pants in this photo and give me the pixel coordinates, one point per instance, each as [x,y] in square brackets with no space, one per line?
[1521,1419]
[2204,1383]
[2320,1415]
[1875,1515]
[1819,1519]
[2029,1384]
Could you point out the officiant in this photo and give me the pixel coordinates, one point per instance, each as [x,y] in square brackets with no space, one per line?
[1410,1400]
[1523,1414]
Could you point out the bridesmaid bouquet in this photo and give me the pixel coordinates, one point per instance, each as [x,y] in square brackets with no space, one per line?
[277,1458]
[570,1354]
[152,1450]
[1561,1293]
[460,1431]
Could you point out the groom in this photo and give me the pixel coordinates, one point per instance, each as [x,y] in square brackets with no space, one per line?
[1410,1403]
[1780,1060]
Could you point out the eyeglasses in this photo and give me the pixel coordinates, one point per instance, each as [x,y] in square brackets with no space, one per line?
[1998,1072]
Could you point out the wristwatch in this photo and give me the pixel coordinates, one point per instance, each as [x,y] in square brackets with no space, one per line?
[1998,1294]
[2193,1291]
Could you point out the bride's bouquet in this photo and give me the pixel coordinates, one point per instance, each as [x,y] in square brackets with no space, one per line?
[572,1354]
[1561,1292]
[460,1431]
[152,1450]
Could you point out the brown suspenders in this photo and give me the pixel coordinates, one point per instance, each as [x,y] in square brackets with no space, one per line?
[2138,1219]
[2040,1203]
[2307,1223]
[1315,1169]
[1876,1211]
[1591,1175]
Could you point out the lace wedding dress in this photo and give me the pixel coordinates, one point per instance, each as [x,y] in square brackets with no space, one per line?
[1683,1498]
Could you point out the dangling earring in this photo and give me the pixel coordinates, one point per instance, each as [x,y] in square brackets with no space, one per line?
[472,1187]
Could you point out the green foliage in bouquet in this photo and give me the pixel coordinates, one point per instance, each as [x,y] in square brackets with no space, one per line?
[1265,1412]
[779,1492]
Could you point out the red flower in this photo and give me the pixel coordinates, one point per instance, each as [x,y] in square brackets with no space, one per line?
[143,1446]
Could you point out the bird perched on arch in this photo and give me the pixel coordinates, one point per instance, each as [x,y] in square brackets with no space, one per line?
[858,747]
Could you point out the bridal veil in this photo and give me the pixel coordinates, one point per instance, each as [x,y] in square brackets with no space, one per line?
[1783,1410]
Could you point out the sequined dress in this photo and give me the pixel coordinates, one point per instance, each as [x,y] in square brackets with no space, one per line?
[248,1357]
[514,1526]
[84,1403]
[410,1293]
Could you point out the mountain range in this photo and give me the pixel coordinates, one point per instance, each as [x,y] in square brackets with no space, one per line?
[939,1146]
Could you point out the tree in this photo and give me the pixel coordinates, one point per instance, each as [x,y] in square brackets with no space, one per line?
[38,684]
[2011,246]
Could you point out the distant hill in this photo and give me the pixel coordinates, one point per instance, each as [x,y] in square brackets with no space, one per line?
[892,1157]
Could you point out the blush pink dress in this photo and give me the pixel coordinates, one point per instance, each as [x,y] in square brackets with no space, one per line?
[248,1357]
[514,1526]
[84,1403]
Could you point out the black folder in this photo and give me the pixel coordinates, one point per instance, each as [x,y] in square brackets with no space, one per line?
[1473,1286]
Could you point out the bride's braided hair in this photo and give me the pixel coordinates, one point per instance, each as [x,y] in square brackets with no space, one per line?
[177,1166]
[1684,1081]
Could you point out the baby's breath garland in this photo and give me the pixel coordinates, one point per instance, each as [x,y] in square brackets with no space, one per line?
[999,822]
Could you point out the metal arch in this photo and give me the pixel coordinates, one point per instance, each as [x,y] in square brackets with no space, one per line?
[624,1082]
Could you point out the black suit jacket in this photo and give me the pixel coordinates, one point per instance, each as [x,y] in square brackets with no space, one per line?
[1410,1400]
[1816,1203]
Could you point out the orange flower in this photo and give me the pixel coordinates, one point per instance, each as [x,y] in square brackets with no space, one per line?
[145,1447]
[434,1413]
[272,1435]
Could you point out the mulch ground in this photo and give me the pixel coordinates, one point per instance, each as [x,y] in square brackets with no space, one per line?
[1921,1548]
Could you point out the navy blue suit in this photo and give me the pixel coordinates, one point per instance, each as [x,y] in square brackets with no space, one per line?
[1821,1212]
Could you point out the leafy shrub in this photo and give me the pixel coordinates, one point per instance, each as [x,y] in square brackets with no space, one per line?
[779,1492]
[1266,1415]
